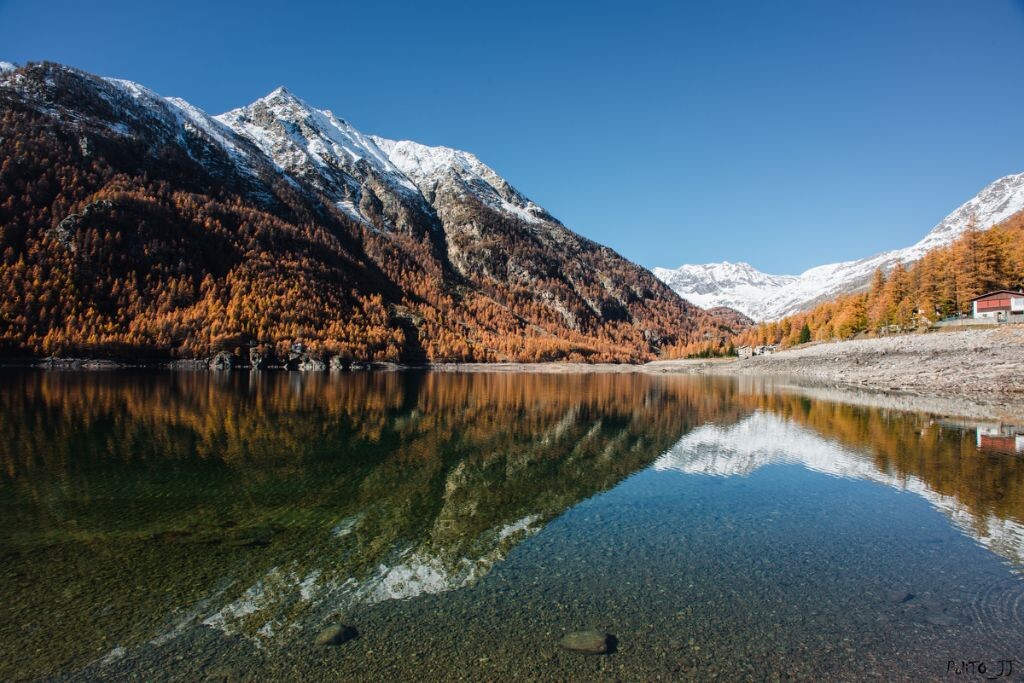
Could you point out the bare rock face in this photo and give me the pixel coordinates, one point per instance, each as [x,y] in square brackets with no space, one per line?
[310,364]
[300,359]
[899,597]
[222,360]
[259,359]
[589,642]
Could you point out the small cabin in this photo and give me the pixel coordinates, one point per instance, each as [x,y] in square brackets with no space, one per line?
[998,306]
[761,350]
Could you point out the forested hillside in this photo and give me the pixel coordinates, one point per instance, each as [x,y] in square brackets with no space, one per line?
[133,225]
[941,284]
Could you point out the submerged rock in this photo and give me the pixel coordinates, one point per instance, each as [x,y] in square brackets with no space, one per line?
[336,634]
[589,642]
[941,619]
[222,674]
[899,597]
[247,538]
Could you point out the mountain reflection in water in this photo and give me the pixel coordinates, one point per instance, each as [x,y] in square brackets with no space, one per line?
[764,438]
[142,509]
[260,504]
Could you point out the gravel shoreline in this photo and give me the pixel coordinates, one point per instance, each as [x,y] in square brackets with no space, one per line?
[976,367]
[986,364]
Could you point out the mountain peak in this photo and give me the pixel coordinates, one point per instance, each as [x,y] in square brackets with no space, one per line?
[279,100]
[278,96]
[996,202]
[317,148]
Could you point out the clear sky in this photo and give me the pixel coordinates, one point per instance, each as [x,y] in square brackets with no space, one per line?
[785,133]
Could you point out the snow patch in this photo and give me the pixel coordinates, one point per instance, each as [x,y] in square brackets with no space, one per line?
[183,117]
[114,655]
[428,166]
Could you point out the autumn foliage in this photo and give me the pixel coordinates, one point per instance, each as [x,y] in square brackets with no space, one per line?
[118,244]
[940,285]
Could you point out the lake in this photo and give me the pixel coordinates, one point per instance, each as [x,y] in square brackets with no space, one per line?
[200,526]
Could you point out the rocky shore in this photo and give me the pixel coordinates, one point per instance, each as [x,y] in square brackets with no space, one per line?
[983,364]
[219,362]
[969,373]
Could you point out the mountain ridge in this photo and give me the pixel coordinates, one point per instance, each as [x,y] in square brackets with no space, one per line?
[766,297]
[138,224]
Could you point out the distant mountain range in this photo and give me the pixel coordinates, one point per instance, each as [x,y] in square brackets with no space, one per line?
[766,297]
[138,224]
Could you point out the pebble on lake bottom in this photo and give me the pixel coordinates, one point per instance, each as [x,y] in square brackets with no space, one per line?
[900,596]
[941,619]
[336,634]
[589,642]
[222,674]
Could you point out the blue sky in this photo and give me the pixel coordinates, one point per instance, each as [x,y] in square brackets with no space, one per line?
[784,133]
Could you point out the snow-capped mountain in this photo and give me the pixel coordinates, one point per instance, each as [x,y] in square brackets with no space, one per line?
[770,297]
[327,154]
[478,217]
[739,286]
[123,109]
[181,122]
[359,172]
[279,190]
[484,220]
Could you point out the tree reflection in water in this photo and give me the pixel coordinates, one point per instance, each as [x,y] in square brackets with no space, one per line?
[138,506]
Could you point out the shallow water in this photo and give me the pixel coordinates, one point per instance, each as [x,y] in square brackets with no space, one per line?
[191,526]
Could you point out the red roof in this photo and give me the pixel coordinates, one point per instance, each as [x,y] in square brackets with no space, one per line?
[998,291]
